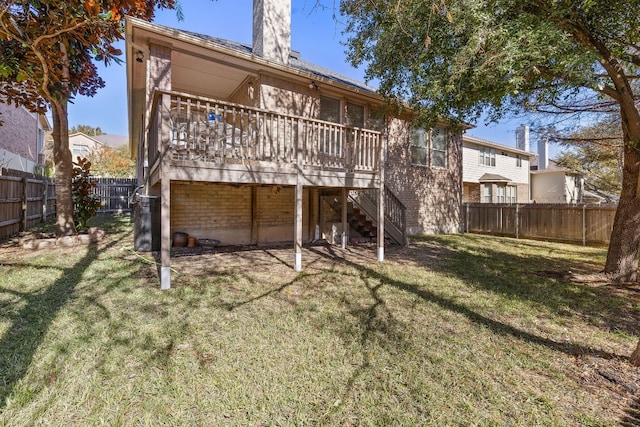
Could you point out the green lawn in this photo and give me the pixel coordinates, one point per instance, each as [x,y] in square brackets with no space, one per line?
[451,330]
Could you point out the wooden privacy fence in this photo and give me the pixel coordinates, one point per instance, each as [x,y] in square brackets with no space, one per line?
[27,202]
[585,224]
[24,203]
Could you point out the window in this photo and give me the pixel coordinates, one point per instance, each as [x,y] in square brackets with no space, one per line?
[419,144]
[487,157]
[329,109]
[439,147]
[518,162]
[501,193]
[80,150]
[486,193]
[377,120]
[354,115]
[429,147]
[512,192]
[329,136]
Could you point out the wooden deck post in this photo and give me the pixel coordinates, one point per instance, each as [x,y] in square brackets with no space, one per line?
[165,196]
[345,224]
[165,240]
[380,230]
[297,264]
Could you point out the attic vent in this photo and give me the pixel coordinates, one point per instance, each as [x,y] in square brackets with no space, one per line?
[294,54]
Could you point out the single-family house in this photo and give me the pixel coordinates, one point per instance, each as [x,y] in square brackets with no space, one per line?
[21,138]
[494,173]
[254,145]
[551,183]
[82,145]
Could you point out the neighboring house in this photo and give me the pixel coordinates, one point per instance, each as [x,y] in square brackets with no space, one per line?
[81,145]
[494,173]
[253,145]
[21,138]
[551,183]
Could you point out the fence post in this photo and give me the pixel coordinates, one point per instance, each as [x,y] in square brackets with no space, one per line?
[466,225]
[584,225]
[517,221]
[23,213]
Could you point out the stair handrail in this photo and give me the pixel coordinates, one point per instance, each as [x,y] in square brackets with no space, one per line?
[394,210]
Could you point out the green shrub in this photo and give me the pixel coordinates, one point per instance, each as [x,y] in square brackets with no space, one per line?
[85,203]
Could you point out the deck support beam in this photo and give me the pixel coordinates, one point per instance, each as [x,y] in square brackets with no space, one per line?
[380,231]
[165,197]
[165,242]
[297,265]
[345,224]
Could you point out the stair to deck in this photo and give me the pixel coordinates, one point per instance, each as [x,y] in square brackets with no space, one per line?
[362,220]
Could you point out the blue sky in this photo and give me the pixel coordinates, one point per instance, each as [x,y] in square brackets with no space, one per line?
[314,32]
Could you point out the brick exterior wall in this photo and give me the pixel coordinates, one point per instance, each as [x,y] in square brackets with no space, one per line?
[18,133]
[288,97]
[431,195]
[230,214]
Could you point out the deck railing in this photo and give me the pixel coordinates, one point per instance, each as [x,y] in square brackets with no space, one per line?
[395,212]
[196,128]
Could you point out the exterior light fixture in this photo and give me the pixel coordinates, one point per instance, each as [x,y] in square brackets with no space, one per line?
[313,86]
[139,56]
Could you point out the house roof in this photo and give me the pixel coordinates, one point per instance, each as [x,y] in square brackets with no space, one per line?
[295,61]
[492,177]
[486,143]
[113,141]
[551,167]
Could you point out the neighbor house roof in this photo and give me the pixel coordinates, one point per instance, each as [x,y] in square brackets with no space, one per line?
[490,144]
[551,167]
[113,141]
[492,177]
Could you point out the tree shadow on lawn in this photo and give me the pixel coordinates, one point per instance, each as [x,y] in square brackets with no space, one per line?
[30,325]
[556,283]
[475,317]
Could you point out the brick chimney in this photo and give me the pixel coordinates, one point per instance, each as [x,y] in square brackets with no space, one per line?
[272,29]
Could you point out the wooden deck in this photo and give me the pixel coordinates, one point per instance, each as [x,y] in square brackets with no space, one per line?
[200,139]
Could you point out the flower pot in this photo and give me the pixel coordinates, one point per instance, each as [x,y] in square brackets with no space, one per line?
[191,242]
[180,239]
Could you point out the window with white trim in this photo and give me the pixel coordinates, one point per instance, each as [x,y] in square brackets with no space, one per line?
[512,194]
[487,156]
[486,193]
[501,193]
[79,150]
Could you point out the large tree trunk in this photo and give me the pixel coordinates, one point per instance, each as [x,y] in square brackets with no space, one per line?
[64,169]
[622,257]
